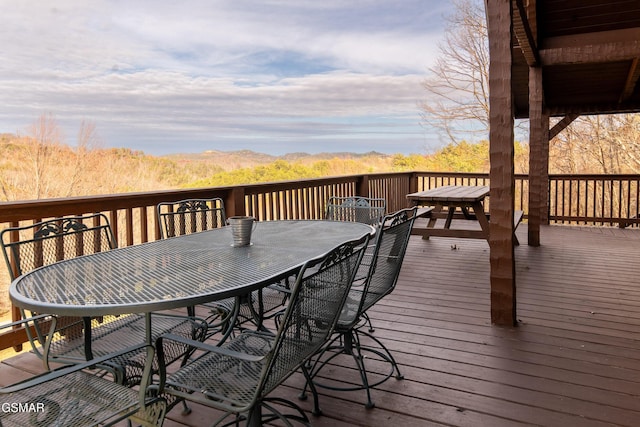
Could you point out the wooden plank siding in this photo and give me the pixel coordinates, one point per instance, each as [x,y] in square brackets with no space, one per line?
[573,359]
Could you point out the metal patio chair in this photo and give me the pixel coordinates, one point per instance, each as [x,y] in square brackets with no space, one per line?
[190,216]
[381,269]
[195,215]
[357,209]
[84,394]
[366,210]
[238,376]
[76,339]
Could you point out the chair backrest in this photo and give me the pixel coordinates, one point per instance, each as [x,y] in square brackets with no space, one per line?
[190,216]
[43,243]
[315,304]
[383,264]
[29,247]
[356,209]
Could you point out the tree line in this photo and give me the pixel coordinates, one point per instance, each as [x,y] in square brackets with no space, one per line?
[41,164]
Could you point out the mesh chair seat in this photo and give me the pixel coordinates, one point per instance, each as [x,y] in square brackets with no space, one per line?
[109,332]
[82,395]
[238,376]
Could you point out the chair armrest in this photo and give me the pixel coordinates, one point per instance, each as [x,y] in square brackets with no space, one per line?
[280,288]
[23,321]
[206,347]
[65,370]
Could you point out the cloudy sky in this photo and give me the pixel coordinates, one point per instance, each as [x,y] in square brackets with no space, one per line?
[274,76]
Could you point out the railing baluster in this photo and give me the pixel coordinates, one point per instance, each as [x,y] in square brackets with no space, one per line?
[129,226]
[584,199]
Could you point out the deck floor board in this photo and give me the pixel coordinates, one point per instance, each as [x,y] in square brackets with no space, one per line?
[573,359]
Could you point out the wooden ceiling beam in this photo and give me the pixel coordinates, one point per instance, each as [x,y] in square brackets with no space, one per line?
[605,46]
[632,80]
[590,109]
[524,34]
[562,125]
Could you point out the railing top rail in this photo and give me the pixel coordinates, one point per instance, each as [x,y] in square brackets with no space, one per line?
[24,209]
[462,174]
[609,177]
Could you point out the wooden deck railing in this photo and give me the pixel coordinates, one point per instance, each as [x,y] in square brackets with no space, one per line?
[133,218]
[573,199]
[595,199]
[583,199]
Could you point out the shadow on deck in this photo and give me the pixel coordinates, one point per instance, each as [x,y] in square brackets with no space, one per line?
[574,359]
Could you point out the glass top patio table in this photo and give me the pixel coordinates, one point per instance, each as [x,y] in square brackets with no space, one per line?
[178,272]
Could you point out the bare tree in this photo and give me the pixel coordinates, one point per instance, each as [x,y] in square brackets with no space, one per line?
[45,136]
[84,161]
[40,164]
[608,144]
[458,85]
[627,138]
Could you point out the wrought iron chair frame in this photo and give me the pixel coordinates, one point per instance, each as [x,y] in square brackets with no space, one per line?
[190,216]
[76,340]
[263,359]
[367,210]
[370,287]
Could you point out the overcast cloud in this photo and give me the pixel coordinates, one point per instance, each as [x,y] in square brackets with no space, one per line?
[274,76]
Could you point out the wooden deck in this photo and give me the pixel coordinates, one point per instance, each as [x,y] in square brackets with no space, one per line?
[574,359]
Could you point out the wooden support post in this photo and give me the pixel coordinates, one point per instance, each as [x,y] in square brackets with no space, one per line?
[234,202]
[413,187]
[501,153]
[362,186]
[538,157]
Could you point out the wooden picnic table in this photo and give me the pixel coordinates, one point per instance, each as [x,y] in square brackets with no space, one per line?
[447,201]
[460,202]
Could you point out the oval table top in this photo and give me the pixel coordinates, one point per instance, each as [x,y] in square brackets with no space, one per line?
[180,271]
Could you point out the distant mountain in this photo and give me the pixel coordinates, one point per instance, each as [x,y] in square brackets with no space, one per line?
[328,156]
[225,160]
[229,160]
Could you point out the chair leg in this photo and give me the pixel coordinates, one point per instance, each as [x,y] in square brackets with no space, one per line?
[368,321]
[349,343]
[276,414]
[350,340]
[254,419]
[230,322]
[386,355]
[313,366]
[316,401]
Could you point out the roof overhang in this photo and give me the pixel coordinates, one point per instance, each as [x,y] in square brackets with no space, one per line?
[589,52]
